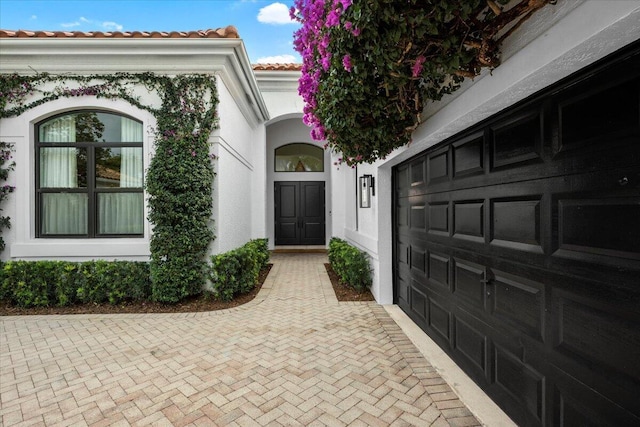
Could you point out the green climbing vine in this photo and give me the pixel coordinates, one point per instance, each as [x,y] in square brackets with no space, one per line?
[180,176]
[6,165]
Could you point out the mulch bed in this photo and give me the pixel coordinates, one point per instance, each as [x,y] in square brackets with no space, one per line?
[189,305]
[345,292]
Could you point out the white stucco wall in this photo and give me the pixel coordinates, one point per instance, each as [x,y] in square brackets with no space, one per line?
[238,204]
[553,44]
[279,89]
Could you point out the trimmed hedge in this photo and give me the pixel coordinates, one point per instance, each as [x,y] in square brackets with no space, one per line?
[350,264]
[237,271]
[61,283]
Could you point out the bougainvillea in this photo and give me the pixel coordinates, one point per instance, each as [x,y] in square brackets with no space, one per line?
[180,177]
[369,67]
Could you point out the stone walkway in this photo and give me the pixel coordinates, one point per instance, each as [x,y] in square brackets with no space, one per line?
[292,356]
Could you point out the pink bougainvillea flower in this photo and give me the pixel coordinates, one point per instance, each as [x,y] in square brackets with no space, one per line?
[417,67]
[346,62]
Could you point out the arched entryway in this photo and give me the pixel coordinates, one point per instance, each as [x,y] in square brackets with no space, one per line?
[298,177]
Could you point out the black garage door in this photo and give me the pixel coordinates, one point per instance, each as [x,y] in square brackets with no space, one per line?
[517,249]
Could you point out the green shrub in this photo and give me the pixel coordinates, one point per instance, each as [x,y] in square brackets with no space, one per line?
[45,283]
[350,264]
[237,271]
[113,281]
[261,249]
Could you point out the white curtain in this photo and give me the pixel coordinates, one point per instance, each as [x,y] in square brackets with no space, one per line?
[59,165]
[62,213]
[122,213]
[131,166]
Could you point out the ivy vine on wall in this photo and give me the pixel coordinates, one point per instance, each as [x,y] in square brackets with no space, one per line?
[6,165]
[180,177]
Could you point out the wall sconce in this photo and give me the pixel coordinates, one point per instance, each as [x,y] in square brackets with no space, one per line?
[367,189]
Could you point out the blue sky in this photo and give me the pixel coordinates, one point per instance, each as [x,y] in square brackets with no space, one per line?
[263,24]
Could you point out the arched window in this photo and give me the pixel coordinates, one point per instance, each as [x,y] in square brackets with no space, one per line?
[299,157]
[89,176]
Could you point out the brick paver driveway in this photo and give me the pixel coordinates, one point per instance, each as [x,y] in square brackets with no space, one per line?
[293,356]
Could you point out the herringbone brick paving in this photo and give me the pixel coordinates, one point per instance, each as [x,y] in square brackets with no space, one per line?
[293,356]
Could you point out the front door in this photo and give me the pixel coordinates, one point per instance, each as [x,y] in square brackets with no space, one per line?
[299,216]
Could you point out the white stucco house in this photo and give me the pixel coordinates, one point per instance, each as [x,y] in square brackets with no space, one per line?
[508,229]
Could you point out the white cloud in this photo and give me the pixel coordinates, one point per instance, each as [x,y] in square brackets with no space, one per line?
[104,25]
[70,24]
[111,26]
[277,59]
[34,17]
[275,13]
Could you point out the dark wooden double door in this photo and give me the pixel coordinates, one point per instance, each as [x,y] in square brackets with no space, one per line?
[299,213]
[517,249]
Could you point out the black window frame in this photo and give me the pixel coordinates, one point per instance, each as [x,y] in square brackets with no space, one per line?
[91,189]
[275,157]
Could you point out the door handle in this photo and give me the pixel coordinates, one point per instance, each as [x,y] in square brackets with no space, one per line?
[489,277]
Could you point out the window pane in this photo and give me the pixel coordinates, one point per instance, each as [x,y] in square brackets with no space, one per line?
[61,129]
[120,213]
[299,158]
[90,126]
[119,167]
[64,213]
[63,167]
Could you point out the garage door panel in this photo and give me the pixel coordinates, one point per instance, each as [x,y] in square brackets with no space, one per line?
[597,335]
[418,173]
[468,220]
[471,343]
[521,381]
[419,302]
[439,318]
[600,226]
[402,252]
[516,223]
[517,140]
[418,217]
[588,118]
[519,302]
[439,271]
[438,166]
[469,283]
[577,404]
[402,291]
[438,223]
[418,261]
[468,156]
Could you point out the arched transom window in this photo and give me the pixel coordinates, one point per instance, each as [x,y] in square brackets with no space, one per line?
[89,176]
[299,157]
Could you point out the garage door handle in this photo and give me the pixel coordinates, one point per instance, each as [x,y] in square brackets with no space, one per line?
[488,277]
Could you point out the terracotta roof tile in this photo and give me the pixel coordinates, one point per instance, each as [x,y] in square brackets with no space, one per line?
[229,32]
[277,67]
